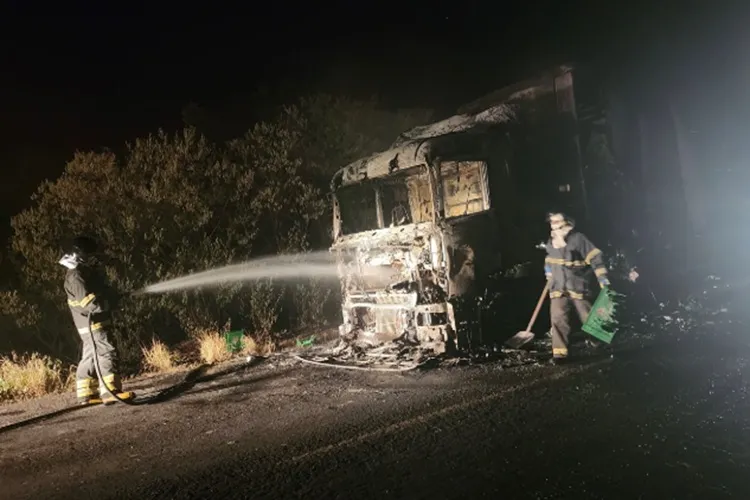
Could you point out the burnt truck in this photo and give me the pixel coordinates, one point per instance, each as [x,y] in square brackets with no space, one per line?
[452,206]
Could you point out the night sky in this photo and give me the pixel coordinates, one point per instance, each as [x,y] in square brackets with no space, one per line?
[85,79]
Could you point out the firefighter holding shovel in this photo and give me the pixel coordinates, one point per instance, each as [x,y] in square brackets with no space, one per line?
[571,260]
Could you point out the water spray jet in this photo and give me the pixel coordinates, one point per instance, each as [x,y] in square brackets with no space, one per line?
[318,265]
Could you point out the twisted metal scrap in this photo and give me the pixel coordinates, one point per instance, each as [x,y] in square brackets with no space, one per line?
[391,357]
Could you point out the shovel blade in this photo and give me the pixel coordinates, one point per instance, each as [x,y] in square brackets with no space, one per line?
[519,340]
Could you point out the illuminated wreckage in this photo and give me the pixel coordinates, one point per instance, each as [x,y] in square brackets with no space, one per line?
[396,253]
[419,225]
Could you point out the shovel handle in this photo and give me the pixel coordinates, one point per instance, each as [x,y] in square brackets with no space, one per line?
[538,306]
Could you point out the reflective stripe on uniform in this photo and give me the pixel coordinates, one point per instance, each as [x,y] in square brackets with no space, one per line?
[563,262]
[86,392]
[83,302]
[86,387]
[94,327]
[600,272]
[85,382]
[593,253]
[567,293]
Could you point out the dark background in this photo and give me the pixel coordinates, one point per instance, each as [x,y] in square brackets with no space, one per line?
[86,78]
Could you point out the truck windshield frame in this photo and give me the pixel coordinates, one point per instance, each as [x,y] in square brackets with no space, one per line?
[395,200]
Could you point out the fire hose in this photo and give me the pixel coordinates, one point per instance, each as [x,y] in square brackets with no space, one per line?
[99,370]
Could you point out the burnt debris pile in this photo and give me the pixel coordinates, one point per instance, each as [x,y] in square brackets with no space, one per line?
[709,309]
[394,356]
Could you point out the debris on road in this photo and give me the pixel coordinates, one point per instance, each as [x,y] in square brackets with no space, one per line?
[396,355]
[399,355]
[694,314]
[699,312]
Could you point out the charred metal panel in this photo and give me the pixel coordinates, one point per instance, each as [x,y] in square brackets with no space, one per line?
[465,189]
[419,197]
[566,106]
[488,116]
[415,146]
[407,155]
[476,250]
[564,93]
[525,90]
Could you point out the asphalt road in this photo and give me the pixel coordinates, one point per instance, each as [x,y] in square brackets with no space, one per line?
[667,421]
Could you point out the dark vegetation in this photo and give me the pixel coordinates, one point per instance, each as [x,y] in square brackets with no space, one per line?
[174,203]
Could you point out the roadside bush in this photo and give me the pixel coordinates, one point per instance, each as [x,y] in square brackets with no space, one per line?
[261,347]
[265,300]
[33,376]
[213,348]
[311,300]
[25,329]
[157,357]
[129,353]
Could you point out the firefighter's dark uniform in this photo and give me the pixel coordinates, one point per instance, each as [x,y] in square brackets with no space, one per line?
[86,293]
[569,270]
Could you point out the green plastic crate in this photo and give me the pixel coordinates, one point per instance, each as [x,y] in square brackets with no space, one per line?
[601,322]
[234,341]
[307,342]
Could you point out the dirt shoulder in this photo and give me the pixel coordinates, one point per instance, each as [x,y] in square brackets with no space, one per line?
[281,429]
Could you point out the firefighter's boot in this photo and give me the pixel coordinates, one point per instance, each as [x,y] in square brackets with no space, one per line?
[557,361]
[114,385]
[108,399]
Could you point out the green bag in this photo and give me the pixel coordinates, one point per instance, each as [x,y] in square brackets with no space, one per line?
[601,322]
[234,341]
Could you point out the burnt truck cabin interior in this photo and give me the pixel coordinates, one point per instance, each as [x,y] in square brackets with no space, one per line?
[403,197]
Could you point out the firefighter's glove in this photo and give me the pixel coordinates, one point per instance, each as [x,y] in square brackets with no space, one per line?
[633,275]
[603,282]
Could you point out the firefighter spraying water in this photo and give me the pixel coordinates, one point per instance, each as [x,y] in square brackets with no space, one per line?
[97,377]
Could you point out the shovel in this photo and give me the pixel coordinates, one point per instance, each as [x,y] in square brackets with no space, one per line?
[525,336]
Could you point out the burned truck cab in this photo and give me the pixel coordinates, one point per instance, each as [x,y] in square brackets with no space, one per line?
[449,205]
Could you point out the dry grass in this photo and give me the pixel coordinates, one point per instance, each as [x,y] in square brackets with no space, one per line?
[263,346]
[24,377]
[213,348]
[158,358]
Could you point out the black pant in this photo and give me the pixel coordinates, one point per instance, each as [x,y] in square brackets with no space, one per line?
[561,314]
